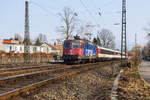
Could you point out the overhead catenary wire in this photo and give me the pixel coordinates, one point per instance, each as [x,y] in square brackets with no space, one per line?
[42,8]
[90,13]
[108,3]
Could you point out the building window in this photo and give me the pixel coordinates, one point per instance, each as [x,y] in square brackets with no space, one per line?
[10,48]
[15,48]
[34,49]
[47,50]
[20,48]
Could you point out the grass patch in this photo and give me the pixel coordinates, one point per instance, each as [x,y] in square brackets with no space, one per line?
[132,86]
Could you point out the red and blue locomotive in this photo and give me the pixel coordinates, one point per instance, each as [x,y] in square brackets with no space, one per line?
[80,51]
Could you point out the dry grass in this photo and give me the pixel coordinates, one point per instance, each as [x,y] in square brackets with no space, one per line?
[132,87]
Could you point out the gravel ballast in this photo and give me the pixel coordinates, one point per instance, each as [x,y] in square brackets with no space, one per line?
[92,85]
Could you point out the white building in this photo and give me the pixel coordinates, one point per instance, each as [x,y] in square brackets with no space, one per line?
[35,49]
[1,46]
[19,48]
[48,48]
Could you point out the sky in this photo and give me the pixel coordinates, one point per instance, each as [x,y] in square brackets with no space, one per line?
[44,17]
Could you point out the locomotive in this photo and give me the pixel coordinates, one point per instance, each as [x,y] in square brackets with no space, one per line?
[82,51]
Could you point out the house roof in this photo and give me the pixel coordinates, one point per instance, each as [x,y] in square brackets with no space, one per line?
[10,41]
[59,46]
[56,47]
[50,45]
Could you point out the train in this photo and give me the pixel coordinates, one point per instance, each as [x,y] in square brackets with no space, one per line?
[82,51]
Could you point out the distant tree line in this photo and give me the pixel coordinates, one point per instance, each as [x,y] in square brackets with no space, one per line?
[105,39]
[146,49]
[71,26]
[37,41]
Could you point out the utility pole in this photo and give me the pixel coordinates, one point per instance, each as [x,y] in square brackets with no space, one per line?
[123,32]
[26,35]
[135,49]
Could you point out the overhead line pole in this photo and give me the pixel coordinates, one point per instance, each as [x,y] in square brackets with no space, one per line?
[135,48]
[123,32]
[26,35]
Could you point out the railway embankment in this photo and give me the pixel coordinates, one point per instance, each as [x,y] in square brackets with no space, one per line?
[92,85]
[132,86]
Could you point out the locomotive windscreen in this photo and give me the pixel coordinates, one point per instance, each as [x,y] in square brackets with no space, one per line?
[76,45]
[67,44]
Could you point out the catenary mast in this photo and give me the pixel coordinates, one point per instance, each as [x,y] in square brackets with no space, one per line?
[123,32]
[26,34]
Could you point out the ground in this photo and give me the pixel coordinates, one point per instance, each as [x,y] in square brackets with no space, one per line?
[132,86]
[145,70]
[92,85]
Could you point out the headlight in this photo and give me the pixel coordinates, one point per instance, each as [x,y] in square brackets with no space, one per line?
[70,51]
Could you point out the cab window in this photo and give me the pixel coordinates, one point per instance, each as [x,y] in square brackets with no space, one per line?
[76,45]
[67,44]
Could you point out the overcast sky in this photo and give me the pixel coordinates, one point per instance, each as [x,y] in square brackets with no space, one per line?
[44,17]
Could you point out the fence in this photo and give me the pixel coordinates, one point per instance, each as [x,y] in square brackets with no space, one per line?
[18,58]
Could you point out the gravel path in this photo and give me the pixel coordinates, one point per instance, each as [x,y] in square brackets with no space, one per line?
[114,95]
[145,70]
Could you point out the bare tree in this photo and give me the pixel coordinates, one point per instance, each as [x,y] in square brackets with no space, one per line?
[147,29]
[106,38]
[85,31]
[146,51]
[69,18]
[18,37]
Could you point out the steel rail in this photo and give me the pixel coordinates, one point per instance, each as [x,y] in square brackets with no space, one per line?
[11,73]
[29,74]
[17,91]
[23,68]
[77,69]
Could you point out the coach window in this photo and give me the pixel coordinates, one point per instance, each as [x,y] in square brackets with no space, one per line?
[111,53]
[102,51]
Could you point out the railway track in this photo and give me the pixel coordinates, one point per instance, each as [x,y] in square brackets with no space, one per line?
[24,70]
[14,85]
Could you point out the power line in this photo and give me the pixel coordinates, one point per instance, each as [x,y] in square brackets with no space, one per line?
[89,12]
[108,3]
[85,7]
[43,8]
